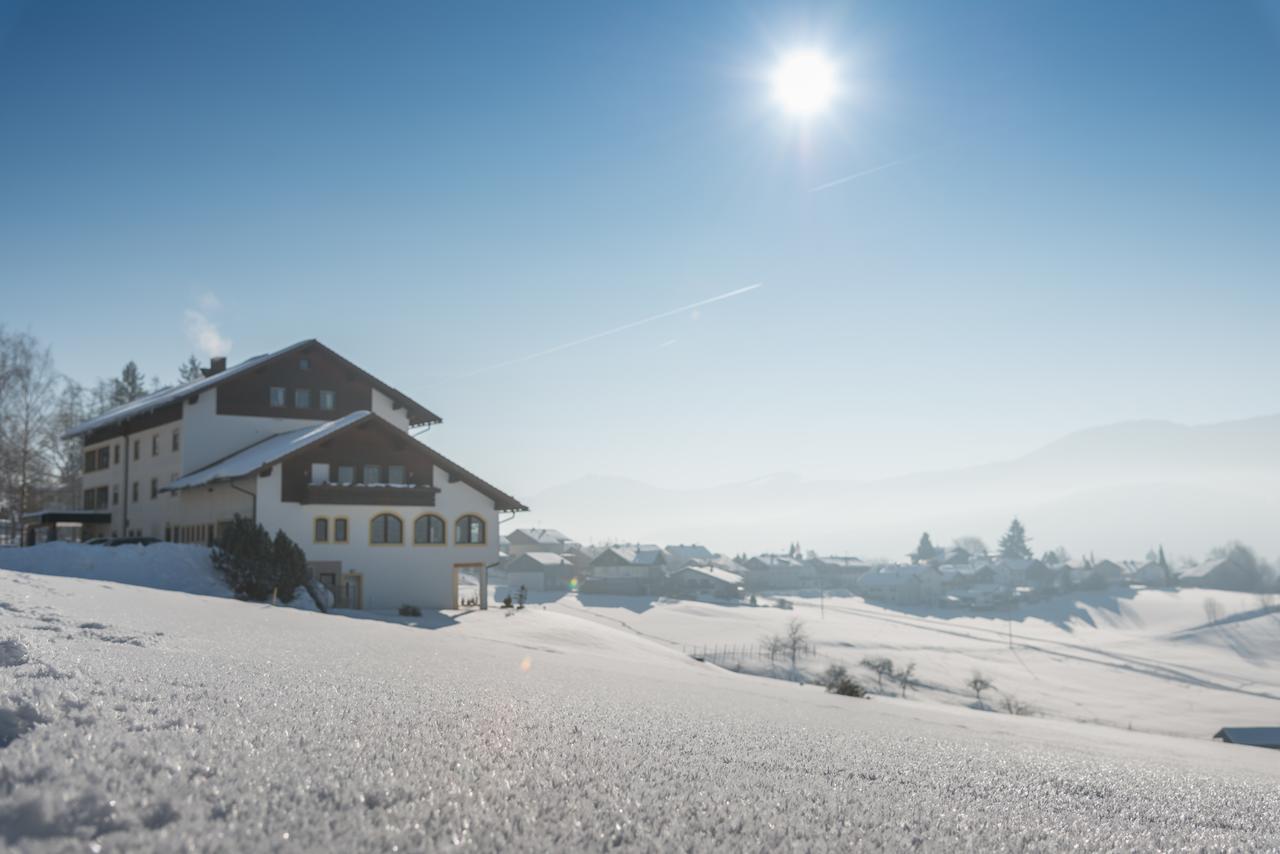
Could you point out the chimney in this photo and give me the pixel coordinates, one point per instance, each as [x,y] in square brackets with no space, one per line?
[217,364]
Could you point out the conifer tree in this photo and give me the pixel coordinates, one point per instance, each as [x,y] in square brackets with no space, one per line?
[1014,544]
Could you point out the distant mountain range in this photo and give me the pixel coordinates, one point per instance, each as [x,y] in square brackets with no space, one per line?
[1116,490]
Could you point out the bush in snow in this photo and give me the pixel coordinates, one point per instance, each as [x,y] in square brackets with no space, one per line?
[255,566]
[410,611]
[1011,705]
[837,681]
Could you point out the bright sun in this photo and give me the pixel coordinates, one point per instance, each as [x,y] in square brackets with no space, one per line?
[804,82]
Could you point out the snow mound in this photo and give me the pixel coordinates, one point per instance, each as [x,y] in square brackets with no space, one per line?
[165,566]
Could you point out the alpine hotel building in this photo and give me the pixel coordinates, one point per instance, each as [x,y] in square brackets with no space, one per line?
[305,442]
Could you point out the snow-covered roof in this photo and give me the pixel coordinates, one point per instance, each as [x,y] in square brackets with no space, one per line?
[544,558]
[549,536]
[264,453]
[174,394]
[166,396]
[714,572]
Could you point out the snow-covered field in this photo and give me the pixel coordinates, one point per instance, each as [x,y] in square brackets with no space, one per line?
[143,719]
[1148,660]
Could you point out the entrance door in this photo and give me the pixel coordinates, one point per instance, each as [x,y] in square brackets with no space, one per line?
[353,591]
[470,586]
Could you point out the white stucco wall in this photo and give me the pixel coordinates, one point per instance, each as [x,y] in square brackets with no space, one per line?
[211,437]
[383,408]
[394,575]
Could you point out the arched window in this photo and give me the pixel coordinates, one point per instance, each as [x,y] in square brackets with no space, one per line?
[469,531]
[428,530]
[386,529]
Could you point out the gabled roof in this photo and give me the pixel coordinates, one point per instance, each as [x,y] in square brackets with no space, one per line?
[264,453]
[547,536]
[275,448]
[418,414]
[631,556]
[544,558]
[712,572]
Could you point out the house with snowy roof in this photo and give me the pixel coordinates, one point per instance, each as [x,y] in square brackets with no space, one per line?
[627,569]
[705,579]
[305,442]
[523,540]
[539,571]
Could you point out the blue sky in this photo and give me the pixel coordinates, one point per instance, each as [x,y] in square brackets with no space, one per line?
[1081,225]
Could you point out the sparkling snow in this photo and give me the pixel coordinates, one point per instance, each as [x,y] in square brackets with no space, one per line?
[142,719]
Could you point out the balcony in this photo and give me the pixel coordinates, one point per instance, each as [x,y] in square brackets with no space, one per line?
[396,495]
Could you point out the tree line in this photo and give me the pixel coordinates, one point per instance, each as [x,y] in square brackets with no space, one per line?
[38,403]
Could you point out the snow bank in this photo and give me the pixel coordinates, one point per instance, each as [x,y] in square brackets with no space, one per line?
[165,566]
[145,720]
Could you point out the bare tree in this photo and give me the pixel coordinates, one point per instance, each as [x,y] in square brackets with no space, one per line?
[774,645]
[796,639]
[977,684]
[906,677]
[881,667]
[28,407]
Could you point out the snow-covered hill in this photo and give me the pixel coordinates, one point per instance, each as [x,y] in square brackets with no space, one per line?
[139,719]
[1150,660]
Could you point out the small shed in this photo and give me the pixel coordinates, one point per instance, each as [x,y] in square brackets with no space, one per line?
[1254,736]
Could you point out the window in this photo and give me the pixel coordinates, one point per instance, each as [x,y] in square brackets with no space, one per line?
[135,491]
[469,531]
[302,398]
[100,499]
[155,487]
[346,474]
[176,440]
[304,364]
[116,454]
[115,495]
[321,533]
[319,472]
[104,458]
[90,461]
[137,448]
[372,474]
[340,530]
[88,499]
[277,396]
[428,530]
[155,444]
[327,399]
[395,474]
[386,529]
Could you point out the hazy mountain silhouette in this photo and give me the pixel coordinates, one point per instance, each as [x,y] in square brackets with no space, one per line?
[1117,489]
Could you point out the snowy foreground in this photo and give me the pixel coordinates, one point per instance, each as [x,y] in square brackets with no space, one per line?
[142,719]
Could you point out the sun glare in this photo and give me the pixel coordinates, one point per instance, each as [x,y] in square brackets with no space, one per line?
[804,83]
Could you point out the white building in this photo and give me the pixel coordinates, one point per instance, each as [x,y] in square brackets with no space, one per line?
[305,442]
[524,540]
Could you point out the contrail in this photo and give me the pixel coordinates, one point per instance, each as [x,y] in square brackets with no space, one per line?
[614,331]
[847,178]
